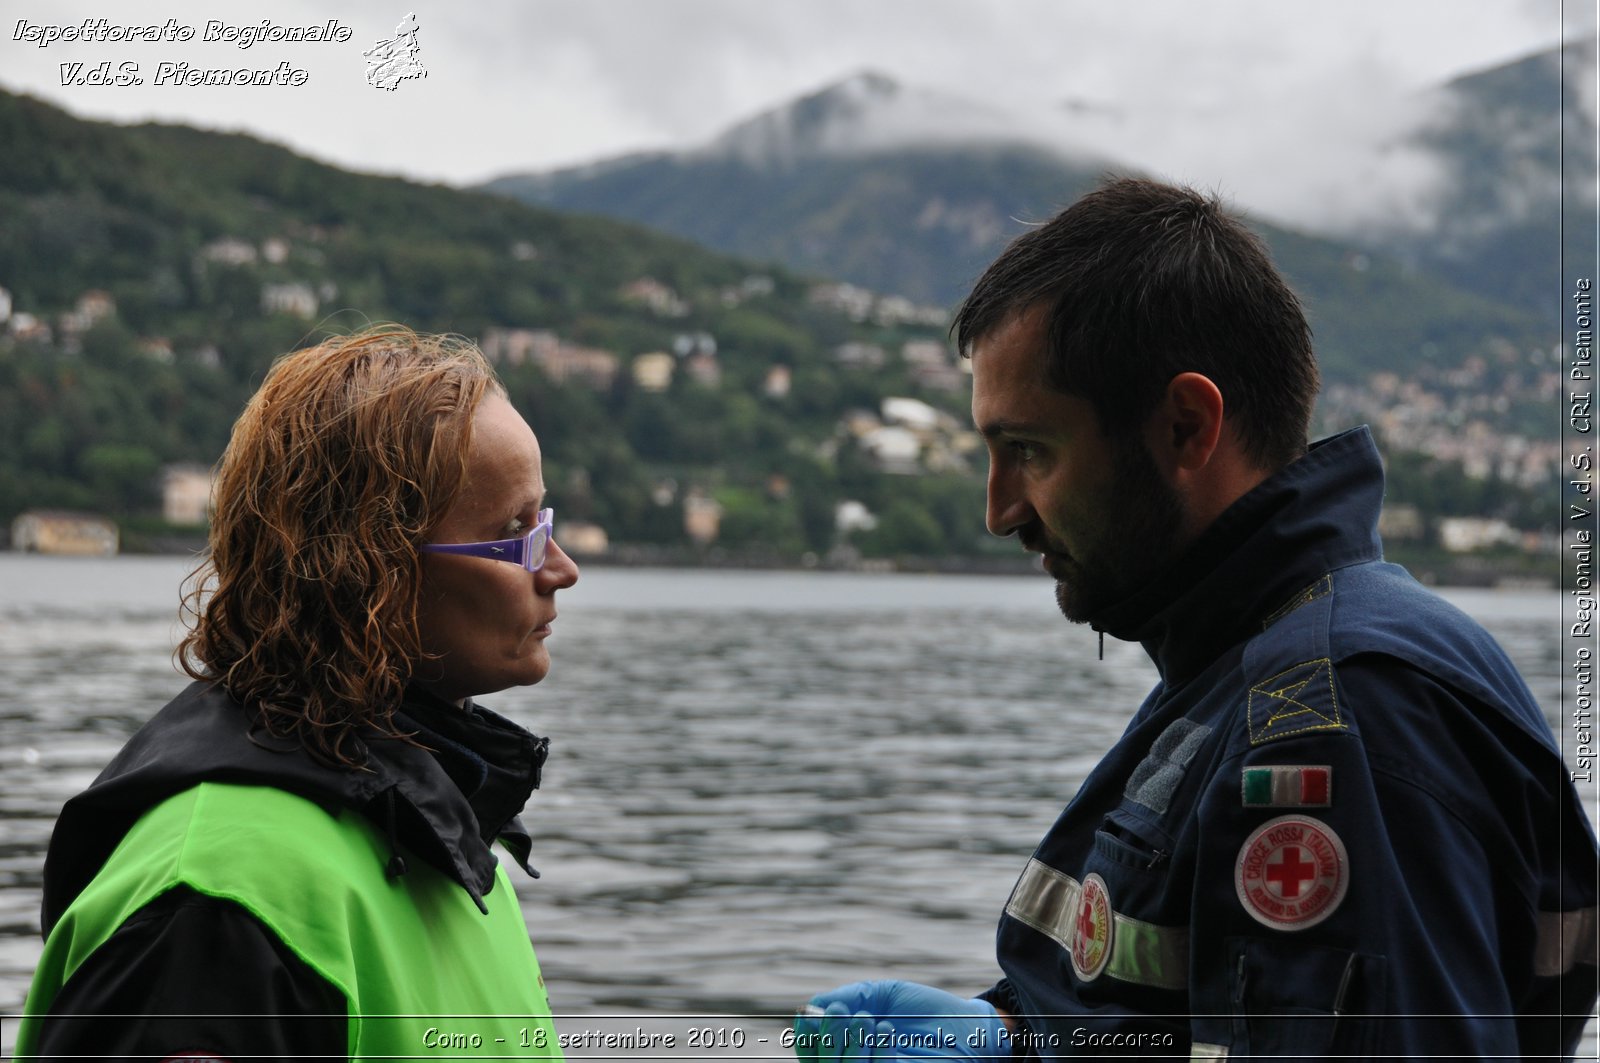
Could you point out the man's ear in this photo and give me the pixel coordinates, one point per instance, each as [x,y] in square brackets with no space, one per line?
[1187,423]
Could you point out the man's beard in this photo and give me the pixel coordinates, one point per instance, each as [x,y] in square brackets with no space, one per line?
[1134,540]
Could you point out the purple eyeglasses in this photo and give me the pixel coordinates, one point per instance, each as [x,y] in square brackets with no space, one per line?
[527,550]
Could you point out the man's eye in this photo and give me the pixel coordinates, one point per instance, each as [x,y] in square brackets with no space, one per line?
[1024,452]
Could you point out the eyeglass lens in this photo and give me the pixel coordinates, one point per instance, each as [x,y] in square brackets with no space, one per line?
[538,545]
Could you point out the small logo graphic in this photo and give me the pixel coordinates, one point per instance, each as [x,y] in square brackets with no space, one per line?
[1292,873]
[1091,931]
[1288,786]
[392,61]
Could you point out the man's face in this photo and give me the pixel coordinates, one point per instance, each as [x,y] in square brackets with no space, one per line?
[1097,510]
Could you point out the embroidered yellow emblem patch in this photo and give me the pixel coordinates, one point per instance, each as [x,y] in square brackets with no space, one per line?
[1294,701]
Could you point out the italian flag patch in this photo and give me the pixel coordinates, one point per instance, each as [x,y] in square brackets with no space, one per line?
[1288,786]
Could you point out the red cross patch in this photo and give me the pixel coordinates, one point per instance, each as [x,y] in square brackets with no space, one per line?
[1091,931]
[1292,873]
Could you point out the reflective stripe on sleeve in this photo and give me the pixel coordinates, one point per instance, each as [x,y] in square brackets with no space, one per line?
[1141,952]
[1566,939]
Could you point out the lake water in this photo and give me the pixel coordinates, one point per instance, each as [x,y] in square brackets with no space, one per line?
[761,785]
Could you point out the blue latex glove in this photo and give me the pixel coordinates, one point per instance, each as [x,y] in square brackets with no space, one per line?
[889,1020]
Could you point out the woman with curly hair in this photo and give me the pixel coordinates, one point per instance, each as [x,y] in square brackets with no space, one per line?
[292,858]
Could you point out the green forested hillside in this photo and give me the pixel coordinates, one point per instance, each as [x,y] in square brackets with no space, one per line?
[187,231]
[154,272]
[918,222]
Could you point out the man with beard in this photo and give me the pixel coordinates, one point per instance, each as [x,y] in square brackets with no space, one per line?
[1339,825]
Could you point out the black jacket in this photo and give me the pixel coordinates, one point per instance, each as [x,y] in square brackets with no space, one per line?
[195,974]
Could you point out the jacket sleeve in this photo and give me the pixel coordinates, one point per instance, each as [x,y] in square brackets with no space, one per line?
[196,975]
[1004,998]
[1398,913]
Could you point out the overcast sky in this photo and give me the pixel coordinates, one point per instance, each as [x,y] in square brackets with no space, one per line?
[1213,90]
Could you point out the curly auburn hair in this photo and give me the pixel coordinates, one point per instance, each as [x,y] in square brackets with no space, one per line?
[341,465]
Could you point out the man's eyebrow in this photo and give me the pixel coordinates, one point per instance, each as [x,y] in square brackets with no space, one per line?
[1010,428]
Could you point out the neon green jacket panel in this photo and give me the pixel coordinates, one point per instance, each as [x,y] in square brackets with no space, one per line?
[419,965]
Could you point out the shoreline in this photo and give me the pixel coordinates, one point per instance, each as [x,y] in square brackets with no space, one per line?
[1465,571]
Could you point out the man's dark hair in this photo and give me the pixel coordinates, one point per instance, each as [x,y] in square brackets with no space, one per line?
[1143,281]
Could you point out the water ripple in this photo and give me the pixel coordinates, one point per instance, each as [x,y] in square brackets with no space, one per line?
[760,784]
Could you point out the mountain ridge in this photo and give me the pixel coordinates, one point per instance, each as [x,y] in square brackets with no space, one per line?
[855,133]
[924,220]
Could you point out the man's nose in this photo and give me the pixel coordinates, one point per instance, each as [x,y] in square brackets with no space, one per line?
[1008,509]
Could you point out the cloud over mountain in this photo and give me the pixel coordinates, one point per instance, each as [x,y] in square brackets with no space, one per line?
[870,112]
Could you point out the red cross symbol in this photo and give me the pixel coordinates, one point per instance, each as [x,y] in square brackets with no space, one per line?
[1290,871]
[1086,921]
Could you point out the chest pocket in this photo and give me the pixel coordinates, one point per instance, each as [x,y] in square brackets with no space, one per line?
[1294,999]
[1126,840]
[1134,843]
[1132,836]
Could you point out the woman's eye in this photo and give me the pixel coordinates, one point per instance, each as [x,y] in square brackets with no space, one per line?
[515,528]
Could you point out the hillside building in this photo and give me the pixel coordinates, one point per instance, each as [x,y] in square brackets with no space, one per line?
[90,308]
[186,494]
[653,371]
[780,378]
[296,299]
[229,251]
[55,531]
[702,517]
[583,539]
[518,346]
[656,297]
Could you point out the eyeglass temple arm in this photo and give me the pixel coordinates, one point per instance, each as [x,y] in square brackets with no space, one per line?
[512,549]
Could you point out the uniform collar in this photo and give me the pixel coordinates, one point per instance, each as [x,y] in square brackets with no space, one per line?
[1315,515]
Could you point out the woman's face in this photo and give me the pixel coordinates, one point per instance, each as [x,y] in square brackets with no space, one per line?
[488,620]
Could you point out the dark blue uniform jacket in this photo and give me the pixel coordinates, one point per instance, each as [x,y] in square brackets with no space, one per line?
[1339,825]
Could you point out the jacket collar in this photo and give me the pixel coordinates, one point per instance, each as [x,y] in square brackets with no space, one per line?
[1315,515]
[445,803]
[494,764]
